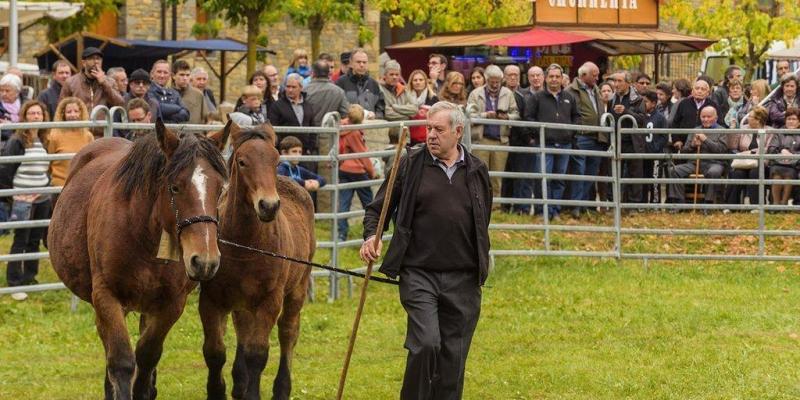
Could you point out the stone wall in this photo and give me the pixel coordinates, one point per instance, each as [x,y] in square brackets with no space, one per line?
[31,41]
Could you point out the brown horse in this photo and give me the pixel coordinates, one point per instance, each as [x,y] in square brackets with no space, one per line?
[268,212]
[120,202]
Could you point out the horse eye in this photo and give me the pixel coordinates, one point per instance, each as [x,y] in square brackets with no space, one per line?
[173,189]
[241,162]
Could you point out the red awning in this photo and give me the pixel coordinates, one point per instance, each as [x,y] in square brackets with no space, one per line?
[538,37]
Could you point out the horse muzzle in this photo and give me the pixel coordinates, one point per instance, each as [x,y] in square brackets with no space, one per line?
[267,209]
[202,268]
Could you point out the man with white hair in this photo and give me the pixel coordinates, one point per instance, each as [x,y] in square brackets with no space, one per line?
[199,79]
[535,80]
[586,93]
[440,250]
[292,109]
[493,101]
[398,103]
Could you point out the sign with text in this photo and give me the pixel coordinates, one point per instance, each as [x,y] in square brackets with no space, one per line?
[598,12]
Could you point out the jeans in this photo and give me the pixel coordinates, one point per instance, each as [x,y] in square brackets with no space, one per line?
[556,164]
[346,198]
[523,188]
[27,241]
[585,165]
[5,211]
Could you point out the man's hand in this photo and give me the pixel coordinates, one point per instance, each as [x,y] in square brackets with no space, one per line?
[97,73]
[677,145]
[312,184]
[491,115]
[433,72]
[368,252]
[502,115]
[700,137]
[370,115]
[619,108]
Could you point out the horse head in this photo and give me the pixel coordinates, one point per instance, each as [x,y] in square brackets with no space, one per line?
[194,175]
[253,168]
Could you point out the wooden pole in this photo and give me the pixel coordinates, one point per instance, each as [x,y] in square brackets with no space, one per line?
[378,237]
[696,176]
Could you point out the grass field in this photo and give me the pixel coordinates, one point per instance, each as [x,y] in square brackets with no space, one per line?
[550,329]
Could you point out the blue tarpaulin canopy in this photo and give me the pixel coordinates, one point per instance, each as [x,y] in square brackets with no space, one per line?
[132,54]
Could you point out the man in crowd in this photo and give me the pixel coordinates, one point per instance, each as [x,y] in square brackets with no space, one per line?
[61,72]
[192,98]
[292,109]
[557,106]
[586,93]
[782,68]
[626,101]
[138,113]
[535,79]
[326,58]
[493,101]
[344,67]
[199,79]
[274,81]
[399,106]
[708,142]
[360,88]
[643,82]
[437,70]
[92,85]
[170,106]
[687,112]
[120,78]
[323,95]
[445,193]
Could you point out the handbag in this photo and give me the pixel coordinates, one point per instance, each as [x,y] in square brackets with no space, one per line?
[745,163]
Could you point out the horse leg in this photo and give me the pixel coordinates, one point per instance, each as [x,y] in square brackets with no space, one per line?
[113,332]
[288,331]
[214,321]
[243,327]
[149,350]
[255,349]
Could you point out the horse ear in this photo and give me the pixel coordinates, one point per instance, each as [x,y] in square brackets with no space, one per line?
[234,131]
[220,137]
[167,140]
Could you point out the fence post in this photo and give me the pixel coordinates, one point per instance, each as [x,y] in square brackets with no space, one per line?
[616,171]
[331,120]
[762,137]
[107,131]
[543,170]
[466,139]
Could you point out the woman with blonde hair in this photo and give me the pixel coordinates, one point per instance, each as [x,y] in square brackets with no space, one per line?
[423,96]
[454,89]
[67,140]
[759,89]
[26,175]
[299,64]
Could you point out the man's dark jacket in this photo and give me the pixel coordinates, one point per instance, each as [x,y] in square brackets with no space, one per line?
[687,115]
[170,105]
[542,106]
[404,195]
[363,90]
[50,97]
[281,113]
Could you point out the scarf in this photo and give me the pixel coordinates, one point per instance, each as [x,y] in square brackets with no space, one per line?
[418,100]
[13,110]
[733,110]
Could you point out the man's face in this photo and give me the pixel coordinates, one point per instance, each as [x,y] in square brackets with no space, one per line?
[663,97]
[252,102]
[649,106]
[554,80]
[121,78]
[494,83]
[138,116]
[63,72]
[200,81]
[441,138]
[620,85]
[160,74]
[139,88]
[94,62]
[642,84]
[391,77]
[590,79]
[783,68]
[272,75]
[358,62]
[294,151]
[708,116]
[536,78]
[182,78]
[700,90]
[293,89]
[435,64]
[736,75]
[512,77]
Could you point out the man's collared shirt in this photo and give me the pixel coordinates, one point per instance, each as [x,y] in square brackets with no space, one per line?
[590,92]
[449,171]
[297,107]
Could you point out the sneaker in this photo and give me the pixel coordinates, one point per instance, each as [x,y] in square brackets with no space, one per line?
[726,211]
[19,296]
[753,211]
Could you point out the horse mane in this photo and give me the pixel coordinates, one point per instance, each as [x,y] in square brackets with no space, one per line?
[146,167]
[263,132]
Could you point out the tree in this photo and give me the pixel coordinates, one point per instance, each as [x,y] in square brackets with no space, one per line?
[456,15]
[250,13]
[315,14]
[747,28]
[92,9]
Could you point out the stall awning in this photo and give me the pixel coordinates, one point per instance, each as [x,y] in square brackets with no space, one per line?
[641,41]
[539,37]
[792,54]
[28,12]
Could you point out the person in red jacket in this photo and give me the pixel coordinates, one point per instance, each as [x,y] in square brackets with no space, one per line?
[353,170]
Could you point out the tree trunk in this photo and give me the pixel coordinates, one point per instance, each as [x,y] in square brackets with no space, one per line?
[252,36]
[315,25]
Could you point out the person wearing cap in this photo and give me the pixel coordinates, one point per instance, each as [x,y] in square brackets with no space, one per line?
[344,66]
[170,106]
[139,84]
[92,85]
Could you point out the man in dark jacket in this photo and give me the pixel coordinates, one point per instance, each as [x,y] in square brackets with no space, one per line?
[440,250]
[292,109]
[518,162]
[556,106]
[323,95]
[360,88]
[61,72]
[687,112]
[170,106]
[627,102]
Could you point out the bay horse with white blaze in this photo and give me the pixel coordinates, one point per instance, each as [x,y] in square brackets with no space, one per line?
[121,201]
[264,211]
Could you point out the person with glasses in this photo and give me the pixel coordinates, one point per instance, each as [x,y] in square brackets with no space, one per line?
[642,83]
[138,113]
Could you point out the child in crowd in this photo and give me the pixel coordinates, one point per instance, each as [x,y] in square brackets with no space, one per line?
[67,140]
[353,170]
[253,111]
[292,146]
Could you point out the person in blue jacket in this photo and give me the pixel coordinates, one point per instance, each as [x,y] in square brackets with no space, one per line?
[292,146]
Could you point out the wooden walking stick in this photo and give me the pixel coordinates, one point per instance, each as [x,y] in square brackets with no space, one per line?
[378,236]
[696,176]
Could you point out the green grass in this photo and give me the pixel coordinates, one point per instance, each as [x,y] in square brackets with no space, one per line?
[550,329]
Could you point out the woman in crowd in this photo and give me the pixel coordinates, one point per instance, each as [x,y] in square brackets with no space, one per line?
[735,103]
[67,140]
[664,93]
[27,175]
[786,168]
[299,64]
[259,79]
[749,144]
[10,102]
[453,89]
[606,94]
[477,78]
[680,88]
[423,96]
[785,97]
[759,89]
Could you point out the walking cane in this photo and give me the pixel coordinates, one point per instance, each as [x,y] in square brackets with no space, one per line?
[696,176]
[378,236]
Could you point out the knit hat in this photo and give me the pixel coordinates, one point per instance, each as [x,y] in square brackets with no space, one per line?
[139,75]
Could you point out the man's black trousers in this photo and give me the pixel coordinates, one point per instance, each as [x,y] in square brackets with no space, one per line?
[443,310]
